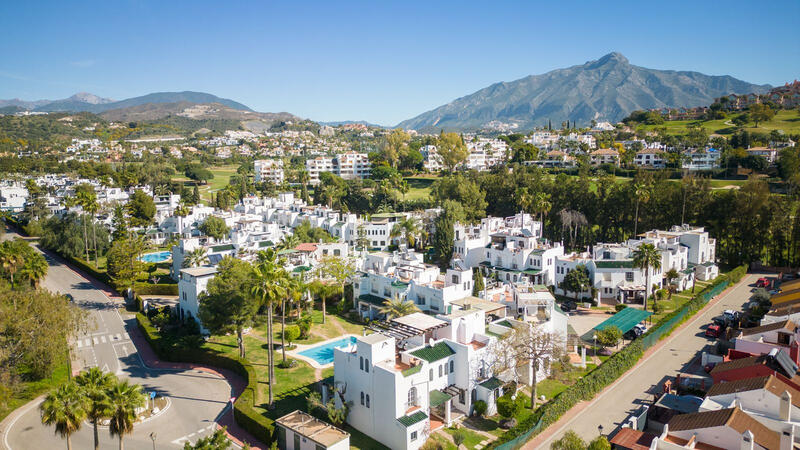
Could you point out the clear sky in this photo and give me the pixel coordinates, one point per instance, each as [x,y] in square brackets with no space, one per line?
[376,60]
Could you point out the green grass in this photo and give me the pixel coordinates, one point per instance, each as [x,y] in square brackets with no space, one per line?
[361,441]
[222,174]
[319,331]
[550,388]
[418,187]
[786,120]
[471,438]
[435,437]
[29,390]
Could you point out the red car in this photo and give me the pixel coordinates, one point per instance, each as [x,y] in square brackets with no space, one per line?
[713,331]
[763,282]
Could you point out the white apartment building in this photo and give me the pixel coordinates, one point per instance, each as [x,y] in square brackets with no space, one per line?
[703,159]
[193,282]
[349,165]
[690,250]
[604,156]
[270,170]
[508,249]
[650,157]
[13,198]
[404,275]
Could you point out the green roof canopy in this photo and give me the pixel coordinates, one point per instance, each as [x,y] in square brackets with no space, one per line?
[435,353]
[624,320]
[374,299]
[437,398]
[614,264]
[531,272]
[222,248]
[491,384]
[411,419]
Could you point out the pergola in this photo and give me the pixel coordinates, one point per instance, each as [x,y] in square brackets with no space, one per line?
[401,328]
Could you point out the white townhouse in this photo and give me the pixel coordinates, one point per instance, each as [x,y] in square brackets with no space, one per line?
[404,275]
[701,159]
[378,231]
[193,282]
[419,374]
[604,156]
[509,249]
[13,197]
[699,256]
[268,170]
[348,165]
[650,157]
[431,160]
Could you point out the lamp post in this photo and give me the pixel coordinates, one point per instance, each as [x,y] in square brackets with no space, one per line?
[600,429]
[153,438]
[594,349]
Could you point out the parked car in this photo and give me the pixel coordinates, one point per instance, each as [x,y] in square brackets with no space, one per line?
[763,282]
[731,315]
[713,331]
[722,321]
[569,306]
[635,332]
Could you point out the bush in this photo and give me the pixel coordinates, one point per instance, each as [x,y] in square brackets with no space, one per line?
[480,408]
[599,443]
[620,307]
[156,289]
[459,436]
[609,336]
[508,407]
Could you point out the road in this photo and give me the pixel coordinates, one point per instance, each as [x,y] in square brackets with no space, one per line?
[197,399]
[637,386]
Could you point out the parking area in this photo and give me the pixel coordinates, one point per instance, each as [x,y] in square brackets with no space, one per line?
[584,320]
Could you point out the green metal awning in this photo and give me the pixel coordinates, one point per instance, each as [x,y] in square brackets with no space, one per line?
[531,272]
[435,353]
[301,269]
[437,398]
[373,299]
[491,384]
[411,419]
[624,320]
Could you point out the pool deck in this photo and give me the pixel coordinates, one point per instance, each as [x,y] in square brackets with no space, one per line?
[295,353]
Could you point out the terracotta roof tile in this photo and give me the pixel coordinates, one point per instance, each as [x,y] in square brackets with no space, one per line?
[733,418]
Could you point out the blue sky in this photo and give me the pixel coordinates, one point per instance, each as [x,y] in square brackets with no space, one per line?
[375,60]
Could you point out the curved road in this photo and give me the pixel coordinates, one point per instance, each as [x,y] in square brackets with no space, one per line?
[198,399]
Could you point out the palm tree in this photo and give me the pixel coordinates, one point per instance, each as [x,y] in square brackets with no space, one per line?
[180,212]
[267,272]
[82,198]
[95,385]
[671,275]
[195,258]
[90,205]
[124,399]
[288,242]
[292,287]
[647,257]
[10,261]
[398,307]
[66,409]
[642,193]
[34,269]
[541,205]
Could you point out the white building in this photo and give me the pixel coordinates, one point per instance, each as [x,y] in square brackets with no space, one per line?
[349,165]
[704,159]
[650,157]
[301,431]
[270,170]
[193,282]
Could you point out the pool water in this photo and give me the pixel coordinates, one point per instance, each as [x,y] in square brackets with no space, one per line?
[156,257]
[323,354]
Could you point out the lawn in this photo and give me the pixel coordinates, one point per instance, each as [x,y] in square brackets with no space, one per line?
[786,120]
[471,438]
[319,331]
[28,390]
[550,388]
[222,175]
[418,187]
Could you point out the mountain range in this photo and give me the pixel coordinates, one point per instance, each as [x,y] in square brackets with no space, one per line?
[607,89]
[84,101]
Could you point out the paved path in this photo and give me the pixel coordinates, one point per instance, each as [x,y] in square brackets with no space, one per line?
[681,350]
[199,396]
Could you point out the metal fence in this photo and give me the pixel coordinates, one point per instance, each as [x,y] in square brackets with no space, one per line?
[652,337]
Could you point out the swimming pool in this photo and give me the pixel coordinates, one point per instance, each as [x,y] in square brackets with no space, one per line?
[323,354]
[156,257]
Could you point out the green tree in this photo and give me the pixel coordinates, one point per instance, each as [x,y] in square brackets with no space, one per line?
[398,307]
[396,146]
[65,408]
[761,113]
[123,261]
[227,305]
[569,441]
[199,173]
[124,399]
[408,228]
[452,150]
[464,191]
[268,289]
[609,336]
[647,257]
[195,258]
[599,443]
[215,227]
[478,286]
[95,384]
[291,333]
[142,209]
[452,212]
[576,280]
[217,441]
[339,269]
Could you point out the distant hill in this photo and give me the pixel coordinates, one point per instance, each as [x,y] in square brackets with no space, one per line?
[607,89]
[191,110]
[352,122]
[92,103]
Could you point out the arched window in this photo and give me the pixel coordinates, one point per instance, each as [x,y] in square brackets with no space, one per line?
[361,362]
[362,397]
[367,400]
[366,365]
[412,397]
[430,375]
[452,365]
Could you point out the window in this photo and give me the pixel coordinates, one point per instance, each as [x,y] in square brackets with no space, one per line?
[362,398]
[452,366]
[441,369]
[366,365]
[413,436]
[337,252]
[319,447]
[462,397]
[412,397]
[297,441]
[628,276]
[455,279]
[361,363]
[430,375]
[367,400]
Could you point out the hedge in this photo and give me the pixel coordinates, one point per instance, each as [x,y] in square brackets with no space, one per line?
[243,409]
[610,370]
[156,289]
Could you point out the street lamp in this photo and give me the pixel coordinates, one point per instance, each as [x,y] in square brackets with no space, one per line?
[153,438]
[594,349]
[600,429]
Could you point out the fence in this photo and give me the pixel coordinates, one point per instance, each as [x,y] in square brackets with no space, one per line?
[616,365]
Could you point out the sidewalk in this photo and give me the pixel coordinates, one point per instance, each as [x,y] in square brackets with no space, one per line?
[557,427]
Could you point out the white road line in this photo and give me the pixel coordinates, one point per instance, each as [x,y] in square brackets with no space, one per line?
[79,343]
[103,339]
[94,340]
[88,343]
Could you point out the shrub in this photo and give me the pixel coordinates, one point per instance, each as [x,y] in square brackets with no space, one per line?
[291,333]
[508,407]
[620,307]
[480,408]
[304,325]
[609,336]
[459,436]
[599,443]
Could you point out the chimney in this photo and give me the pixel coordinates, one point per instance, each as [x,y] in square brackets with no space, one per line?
[786,407]
[787,438]
[747,440]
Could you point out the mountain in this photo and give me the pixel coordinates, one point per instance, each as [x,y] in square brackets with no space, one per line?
[607,89]
[192,110]
[92,103]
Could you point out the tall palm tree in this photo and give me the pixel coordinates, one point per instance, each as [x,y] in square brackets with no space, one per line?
[124,399]
[292,290]
[647,257]
[398,307]
[10,261]
[541,205]
[642,193]
[267,273]
[95,385]
[288,242]
[195,258]
[65,408]
[92,207]
[82,198]
[180,212]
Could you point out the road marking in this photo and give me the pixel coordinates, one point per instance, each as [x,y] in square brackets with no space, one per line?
[79,343]
[95,341]
[103,339]
[88,343]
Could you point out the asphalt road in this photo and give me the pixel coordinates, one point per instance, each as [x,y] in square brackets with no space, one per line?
[197,398]
[637,386]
